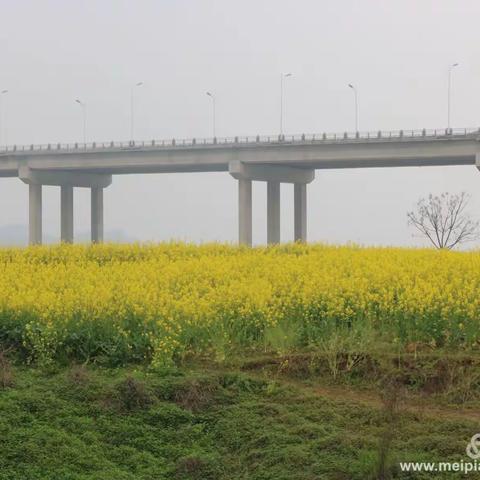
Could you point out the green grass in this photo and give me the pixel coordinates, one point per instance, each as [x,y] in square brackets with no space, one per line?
[205,422]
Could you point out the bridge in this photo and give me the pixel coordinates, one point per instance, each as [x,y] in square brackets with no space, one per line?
[272,159]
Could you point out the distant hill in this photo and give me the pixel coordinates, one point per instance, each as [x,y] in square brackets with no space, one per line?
[17,235]
[13,235]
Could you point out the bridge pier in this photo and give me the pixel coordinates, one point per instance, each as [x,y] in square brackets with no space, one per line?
[273,212]
[96,204]
[66,181]
[66,213]
[300,211]
[245,173]
[245,211]
[35,214]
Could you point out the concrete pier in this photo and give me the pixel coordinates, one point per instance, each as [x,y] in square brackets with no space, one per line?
[245,211]
[97,215]
[66,214]
[273,212]
[300,212]
[35,214]
[67,181]
[273,175]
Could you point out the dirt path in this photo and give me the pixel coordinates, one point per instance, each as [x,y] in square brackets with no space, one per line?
[415,405]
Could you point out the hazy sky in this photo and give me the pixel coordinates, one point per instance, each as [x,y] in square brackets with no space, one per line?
[397,53]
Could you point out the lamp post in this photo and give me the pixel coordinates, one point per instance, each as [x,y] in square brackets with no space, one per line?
[450,68]
[282,77]
[132,108]
[355,93]
[84,113]
[2,93]
[212,96]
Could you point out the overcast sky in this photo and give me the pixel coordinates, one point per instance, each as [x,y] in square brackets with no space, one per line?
[397,53]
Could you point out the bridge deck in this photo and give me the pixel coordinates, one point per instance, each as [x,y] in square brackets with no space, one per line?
[324,151]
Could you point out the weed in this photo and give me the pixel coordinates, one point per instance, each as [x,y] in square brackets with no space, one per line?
[391,397]
[78,376]
[6,371]
[195,394]
[132,394]
[281,338]
[345,350]
[190,468]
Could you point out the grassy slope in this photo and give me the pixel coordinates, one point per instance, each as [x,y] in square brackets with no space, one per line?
[206,423]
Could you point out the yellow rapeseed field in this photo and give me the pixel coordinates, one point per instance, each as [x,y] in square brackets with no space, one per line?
[161,302]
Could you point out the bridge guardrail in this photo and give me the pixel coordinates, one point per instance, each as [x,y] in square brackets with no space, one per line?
[345,137]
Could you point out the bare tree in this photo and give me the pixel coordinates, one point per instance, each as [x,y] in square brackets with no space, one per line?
[443,220]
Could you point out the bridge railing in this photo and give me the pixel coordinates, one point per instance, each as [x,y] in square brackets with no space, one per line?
[345,137]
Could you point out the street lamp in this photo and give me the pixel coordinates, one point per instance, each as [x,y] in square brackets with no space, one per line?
[212,96]
[282,77]
[132,111]
[84,111]
[355,93]
[2,93]
[450,68]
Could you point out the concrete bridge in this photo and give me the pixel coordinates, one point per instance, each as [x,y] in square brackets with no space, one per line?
[274,160]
